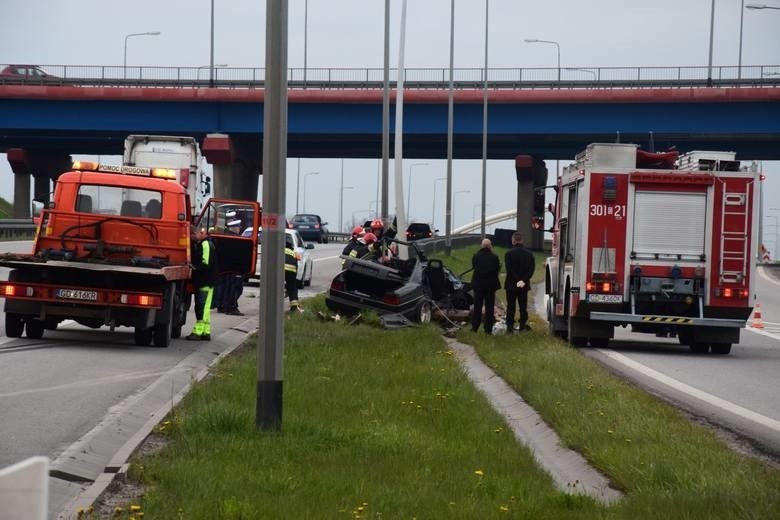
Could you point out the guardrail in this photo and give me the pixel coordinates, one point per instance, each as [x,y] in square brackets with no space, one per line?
[421,78]
[17,229]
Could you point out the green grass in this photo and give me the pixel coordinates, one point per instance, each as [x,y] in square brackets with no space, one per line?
[6,209]
[383,424]
[383,420]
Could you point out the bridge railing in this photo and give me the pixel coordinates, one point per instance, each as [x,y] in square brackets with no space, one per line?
[372,78]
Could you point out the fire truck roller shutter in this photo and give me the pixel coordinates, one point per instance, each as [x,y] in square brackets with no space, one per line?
[669,224]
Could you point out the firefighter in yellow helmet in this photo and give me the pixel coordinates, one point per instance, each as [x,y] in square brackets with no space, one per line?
[291,275]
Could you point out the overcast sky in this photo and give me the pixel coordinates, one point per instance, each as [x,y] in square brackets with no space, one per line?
[349,33]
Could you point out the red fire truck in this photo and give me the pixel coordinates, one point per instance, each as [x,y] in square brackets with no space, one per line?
[656,241]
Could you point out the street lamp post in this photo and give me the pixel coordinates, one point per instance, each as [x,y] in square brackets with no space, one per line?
[211,49]
[304,187]
[474,212]
[151,33]
[712,32]
[433,212]
[557,46]
[305,37]
[453,204]
[409,189]
[341,205]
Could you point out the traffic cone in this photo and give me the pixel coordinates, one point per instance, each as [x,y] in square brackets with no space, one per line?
[757,322]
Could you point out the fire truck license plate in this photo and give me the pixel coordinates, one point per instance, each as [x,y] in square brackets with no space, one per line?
[76,294]
[605,298]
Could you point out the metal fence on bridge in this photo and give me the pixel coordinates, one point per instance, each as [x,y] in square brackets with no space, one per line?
[372,78]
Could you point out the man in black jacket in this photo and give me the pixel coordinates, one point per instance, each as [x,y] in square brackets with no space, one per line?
[520,267]
[485,283]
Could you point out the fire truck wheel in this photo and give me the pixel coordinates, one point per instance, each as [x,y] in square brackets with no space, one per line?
[700,348]
[14,325]
[34,329]
[142,337]
[720,348]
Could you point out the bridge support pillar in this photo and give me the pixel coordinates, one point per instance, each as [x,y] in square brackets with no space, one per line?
[236,166]
[531,174]
[43,165]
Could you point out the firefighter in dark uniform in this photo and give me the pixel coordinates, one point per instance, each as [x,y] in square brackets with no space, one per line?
[204,276]
[520,266]
[291,275]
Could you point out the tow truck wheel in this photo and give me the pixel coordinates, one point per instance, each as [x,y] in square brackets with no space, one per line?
[721,348]
[162,335]
[142,337]
[34,329]
[423,312]
[14,325]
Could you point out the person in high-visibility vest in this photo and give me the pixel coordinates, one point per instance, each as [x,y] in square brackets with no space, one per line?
[291,275]
[204,276]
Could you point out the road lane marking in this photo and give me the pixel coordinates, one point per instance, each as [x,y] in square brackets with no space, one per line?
[767,277]
[694,392]
[89,382]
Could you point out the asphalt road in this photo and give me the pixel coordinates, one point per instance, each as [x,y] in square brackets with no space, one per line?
[80,390]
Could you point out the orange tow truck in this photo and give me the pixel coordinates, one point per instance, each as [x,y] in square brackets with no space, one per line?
[113,249]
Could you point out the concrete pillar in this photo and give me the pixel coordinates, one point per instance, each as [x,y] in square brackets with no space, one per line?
[42,187]
[22,195]
[236,166]
[531,174]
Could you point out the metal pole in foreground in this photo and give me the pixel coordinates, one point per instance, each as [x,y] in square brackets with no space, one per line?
[741,26]
[386,118]
[271,337]
[450,105]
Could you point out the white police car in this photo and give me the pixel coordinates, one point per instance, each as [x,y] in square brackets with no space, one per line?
[292,239]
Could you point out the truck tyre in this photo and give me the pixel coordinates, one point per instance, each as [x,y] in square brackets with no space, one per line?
[34,329]
[179,315]
[162,335]
[721,349]
[699,348]
[143,337]
[14,325]
[422,314]
[599,342]
[300,283]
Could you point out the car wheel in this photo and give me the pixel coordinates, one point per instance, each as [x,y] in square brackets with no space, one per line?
[423,312]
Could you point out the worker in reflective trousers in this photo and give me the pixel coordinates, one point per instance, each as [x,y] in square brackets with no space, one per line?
[204,276]
[291,276]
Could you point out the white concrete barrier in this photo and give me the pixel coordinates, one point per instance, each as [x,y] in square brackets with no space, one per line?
[24,490]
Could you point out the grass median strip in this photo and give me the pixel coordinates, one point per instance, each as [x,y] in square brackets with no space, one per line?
[376,424]
[384,424]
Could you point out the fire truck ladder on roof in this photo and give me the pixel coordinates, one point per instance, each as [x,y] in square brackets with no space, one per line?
[734,242]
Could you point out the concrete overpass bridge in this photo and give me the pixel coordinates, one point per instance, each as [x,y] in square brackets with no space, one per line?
[42,121]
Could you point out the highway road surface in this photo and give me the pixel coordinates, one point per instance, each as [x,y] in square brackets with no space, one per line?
[78,394]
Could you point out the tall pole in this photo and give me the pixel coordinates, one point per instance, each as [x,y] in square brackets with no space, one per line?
[712,27]
[398,153]
[386,118]
[433,211]
[211,62]
[124,62]
[305,37]
[271,336]
[741,25]
[485,122]
[450,117]
[557,48]
[298,187]
[341,197]
[409,189]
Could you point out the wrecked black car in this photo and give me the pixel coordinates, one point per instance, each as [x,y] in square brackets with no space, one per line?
[413,288]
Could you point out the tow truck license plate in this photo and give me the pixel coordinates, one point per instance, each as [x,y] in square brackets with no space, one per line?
[76,294]
[605,298]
